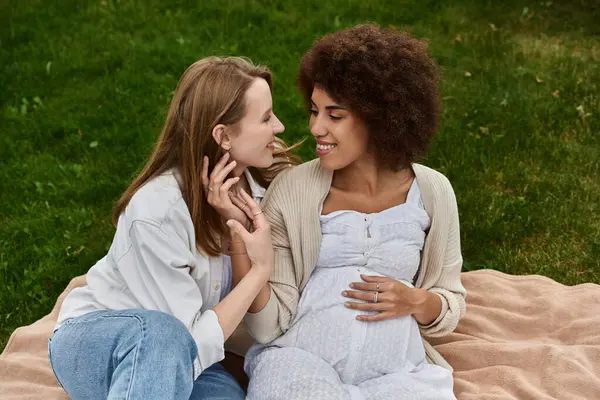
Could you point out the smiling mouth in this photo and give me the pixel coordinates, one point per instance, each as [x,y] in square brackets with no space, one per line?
[326,147]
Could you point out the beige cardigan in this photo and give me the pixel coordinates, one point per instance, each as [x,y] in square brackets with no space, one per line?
[292,206]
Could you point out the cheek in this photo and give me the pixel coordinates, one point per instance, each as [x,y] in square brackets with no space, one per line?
[245,147]
[353,145]
[250,149]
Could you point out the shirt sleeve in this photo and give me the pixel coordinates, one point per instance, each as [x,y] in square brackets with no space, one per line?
[156,269]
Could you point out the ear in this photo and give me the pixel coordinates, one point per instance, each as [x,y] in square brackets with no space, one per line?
[221,136]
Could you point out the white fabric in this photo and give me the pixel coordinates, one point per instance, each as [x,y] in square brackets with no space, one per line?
[153,264]
[326,350]
[227,277]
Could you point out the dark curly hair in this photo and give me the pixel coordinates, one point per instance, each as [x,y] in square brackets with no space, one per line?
[384,77]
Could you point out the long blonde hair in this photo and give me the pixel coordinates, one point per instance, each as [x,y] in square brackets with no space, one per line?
[210,92]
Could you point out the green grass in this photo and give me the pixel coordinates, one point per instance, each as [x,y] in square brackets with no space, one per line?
[85,87]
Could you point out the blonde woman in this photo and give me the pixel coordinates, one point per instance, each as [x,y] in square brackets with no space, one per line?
[152,321]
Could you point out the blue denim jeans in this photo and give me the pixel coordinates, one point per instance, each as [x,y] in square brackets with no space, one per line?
[133,354]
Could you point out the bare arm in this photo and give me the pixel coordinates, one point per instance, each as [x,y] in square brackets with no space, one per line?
[252,262]
[241,266]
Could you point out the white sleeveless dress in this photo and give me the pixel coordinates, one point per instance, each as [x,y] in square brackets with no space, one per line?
[327,353]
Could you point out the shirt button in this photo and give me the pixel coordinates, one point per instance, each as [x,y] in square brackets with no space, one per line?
[217,286]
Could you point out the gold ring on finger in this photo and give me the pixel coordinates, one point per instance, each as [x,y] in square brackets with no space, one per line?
[375,297]
[377,287]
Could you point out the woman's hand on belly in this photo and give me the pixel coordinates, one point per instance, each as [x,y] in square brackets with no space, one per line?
[386,296]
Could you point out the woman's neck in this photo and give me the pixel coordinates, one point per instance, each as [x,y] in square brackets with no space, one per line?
[243,182]
[239,170]
[367,177]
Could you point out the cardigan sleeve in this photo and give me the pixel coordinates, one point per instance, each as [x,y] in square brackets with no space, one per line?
[449,287]
[275,318]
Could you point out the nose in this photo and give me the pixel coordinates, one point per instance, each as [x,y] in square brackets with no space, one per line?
[317,126]
[277,126]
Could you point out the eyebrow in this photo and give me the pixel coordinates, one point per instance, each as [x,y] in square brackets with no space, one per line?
[329,107]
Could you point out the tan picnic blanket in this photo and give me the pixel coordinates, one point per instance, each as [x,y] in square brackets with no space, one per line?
[523,337]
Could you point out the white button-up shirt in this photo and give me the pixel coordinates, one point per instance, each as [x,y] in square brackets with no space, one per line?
[153,264]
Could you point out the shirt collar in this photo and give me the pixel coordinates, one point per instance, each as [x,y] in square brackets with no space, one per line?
[258,192]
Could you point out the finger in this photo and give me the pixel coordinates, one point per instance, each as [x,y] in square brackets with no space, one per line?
[373,287]
[219,166]
[372,278]
[227,185]
[353,305]
[364,296]
[205,171]
[257,215]
[220,175]
[236,200]
[365,286]
[377,317]
[239,203]
[222,196]
[240,230]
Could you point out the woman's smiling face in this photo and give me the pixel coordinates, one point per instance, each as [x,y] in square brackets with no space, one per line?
[341,137]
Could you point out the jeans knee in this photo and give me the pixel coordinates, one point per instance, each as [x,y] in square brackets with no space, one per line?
[167,334]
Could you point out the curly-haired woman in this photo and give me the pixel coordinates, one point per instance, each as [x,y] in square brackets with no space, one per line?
[367,247]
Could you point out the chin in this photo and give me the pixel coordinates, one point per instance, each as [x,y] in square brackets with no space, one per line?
[331,163]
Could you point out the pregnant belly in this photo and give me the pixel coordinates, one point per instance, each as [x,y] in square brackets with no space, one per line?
[324,290]
[324,326]
[325,286]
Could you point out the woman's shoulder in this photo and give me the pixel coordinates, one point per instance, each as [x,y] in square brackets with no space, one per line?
[304,170]
[308,178]
[432,178]
[435,188]
[159,201]
[298,176]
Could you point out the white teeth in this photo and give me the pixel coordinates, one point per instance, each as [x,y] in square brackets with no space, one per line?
[325,146]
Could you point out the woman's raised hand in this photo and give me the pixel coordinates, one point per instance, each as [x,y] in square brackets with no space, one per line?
[218,191]
[258,243]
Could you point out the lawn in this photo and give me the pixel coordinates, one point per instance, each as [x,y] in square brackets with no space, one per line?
[86,85]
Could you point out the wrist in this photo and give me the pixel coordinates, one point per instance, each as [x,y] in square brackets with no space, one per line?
[236,246]
[429,308]
[260,272]
[422,298]
[265,263]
